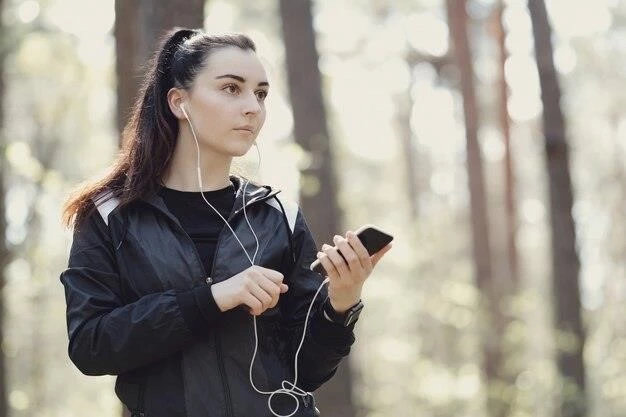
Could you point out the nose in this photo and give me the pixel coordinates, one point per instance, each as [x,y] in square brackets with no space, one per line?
[251,105]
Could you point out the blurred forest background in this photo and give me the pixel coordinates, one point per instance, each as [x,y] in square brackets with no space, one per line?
[487,135]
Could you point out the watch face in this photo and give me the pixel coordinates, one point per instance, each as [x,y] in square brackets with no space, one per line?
[346,318]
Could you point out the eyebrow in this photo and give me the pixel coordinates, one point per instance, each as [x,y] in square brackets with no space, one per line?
[241,79]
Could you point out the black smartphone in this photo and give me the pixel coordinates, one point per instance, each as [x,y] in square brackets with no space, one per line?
[372,238]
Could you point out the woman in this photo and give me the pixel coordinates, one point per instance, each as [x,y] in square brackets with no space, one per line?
[160,293]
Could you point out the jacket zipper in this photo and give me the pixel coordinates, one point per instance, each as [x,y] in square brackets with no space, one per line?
[218,345]
[139,412]
[209,280]
[220,362]
[216,334]
[218,341]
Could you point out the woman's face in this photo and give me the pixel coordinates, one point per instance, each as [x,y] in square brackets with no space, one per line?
[226,103]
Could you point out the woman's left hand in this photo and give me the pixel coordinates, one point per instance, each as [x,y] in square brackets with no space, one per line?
[347,277]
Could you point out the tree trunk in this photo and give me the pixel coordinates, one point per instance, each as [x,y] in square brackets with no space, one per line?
[570,336]
[407,138]
[138,26]
[492,350]
[318,188]
[4,250]
[511,214]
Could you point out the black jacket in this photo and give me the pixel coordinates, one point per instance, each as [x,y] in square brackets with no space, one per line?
[139,306]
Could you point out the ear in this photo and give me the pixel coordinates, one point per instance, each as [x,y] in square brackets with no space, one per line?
[176,97]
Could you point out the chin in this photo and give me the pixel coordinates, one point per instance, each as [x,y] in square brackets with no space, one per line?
[239,154]
[233,148]
[239,150]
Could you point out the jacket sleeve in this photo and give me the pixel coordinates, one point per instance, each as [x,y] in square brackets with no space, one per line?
[326,343]
[107,336]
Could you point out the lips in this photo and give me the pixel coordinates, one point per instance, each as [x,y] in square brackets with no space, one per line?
[248,128]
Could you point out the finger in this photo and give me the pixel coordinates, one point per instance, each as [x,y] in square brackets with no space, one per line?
[261,294]
[260,276]
[254,305]
[359,249]
[327,264]
[327,246]
[272,274]
[284,288]
[337,260]
[376,257]
[348,253]
[272,289]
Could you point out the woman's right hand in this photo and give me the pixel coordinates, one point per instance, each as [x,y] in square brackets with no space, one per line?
[257,287]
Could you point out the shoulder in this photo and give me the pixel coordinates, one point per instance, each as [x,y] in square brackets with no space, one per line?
[105,202]
[286,207]
[91,230]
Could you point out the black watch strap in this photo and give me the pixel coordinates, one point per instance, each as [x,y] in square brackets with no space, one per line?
[346,318]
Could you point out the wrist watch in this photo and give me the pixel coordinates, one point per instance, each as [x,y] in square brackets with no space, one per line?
[346,318]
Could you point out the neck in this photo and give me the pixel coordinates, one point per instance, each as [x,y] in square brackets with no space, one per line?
[182,173]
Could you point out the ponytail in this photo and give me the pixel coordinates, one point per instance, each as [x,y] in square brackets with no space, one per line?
[152,118]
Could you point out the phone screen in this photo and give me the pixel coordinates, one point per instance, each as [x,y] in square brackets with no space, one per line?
[374,240]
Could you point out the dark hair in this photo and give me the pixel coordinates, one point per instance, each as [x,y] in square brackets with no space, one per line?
[149,138]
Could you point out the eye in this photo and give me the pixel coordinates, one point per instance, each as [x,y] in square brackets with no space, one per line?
[231,88]
[261,94]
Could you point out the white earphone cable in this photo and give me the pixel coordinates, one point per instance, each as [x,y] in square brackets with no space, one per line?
[293,391]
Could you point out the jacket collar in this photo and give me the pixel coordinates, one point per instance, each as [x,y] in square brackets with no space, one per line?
[254,193]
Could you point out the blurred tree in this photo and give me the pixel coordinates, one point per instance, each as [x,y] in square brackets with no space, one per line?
[511,215]
[318,188]
[4,250]
[492,321]
[407,136]
[138,26]
[570,336]
[45,144]
[405,107]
